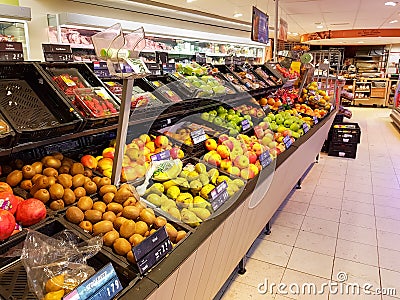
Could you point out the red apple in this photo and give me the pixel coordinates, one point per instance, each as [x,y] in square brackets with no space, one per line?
[161,141]
[139,143]
[264,125]
[223,151]
[247,173]
[229,144]
[287,132]
[215,159]
[108,152]
[222,138]
[257,148]
[252,156]
[89,161]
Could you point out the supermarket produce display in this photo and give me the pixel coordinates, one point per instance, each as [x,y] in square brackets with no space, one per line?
[185,170]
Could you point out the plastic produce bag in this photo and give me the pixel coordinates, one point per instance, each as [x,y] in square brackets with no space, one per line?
[57,265]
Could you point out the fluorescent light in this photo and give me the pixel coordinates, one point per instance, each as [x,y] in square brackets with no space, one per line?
[320,26]
[390,3]
[238,15]
[394,21]
[361,42]
[190,1]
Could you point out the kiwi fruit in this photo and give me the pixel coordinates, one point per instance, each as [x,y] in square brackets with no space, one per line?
[69,196]
[65,180]
[50,172]
[171,231]
[56,191]
[74,215]
[88,172]
[78,180]
[58,155]
[100,206]
[108,197]
[122,195]
[26,184]
[34,178]
[109,188]
[41,182]
[136,239]
[160,222]
[96,180]
[90,187]
[141,227]
[141,205]
[180,235]
[44,159]
[130,257]
[114,207]
[37,167]
[118,222]
[28,172]
[127,229]
[147,233]
[17,164]
[93,216]
[104,181]
[87,179]
[85,203]
[147,216]
[131,201]
[110,237]
[52,162]
[14,178]
[110,216]
[57,205]
[77,168]
[52,180]
[122,246]
[102,227]
[79,192]
[63,170]
[67,162]
[43,195]
[130,212]
[86,225]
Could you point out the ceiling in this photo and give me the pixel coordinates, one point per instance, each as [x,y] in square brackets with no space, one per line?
[303,16]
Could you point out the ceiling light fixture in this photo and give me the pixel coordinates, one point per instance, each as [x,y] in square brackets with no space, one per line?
[361,42]
[394,21]
[390,3]
[238,15]
[190,1]
[320,26]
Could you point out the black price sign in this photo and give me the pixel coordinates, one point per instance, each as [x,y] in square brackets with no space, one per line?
[198,136]
[57,53]
[245,124]
[165,155]
[152,250]
[11,51]
[267,109]
[305,127]
[287,141]
[103,285]
[219,195]
[315,120]
[265,159]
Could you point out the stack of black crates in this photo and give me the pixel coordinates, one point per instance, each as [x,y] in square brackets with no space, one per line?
[343,138]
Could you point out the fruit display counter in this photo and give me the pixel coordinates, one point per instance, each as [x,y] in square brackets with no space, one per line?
[206,173]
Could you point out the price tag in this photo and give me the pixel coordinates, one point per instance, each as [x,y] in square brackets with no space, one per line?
[289,100]
[165,155]
[287,141]
[198,136]
[245,124]
[267,109]
[258,131]
[152,250]
[315,120]
[305,127]
[265,159]
[219,195]
[103,285]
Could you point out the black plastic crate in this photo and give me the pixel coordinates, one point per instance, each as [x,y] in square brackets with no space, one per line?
[350,134]
[32,106]
[348,150]
[338,118]
[7,139]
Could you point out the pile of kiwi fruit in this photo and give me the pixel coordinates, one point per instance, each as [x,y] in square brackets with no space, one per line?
[56,180]
[121,218]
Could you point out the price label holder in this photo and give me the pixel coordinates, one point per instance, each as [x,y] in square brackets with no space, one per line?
[103,285]
[165,155]
[245,124]
[305,127]
[149,252]
[315,120]
[287,141]
[267,109]
[198,136]
[219,195]
[11,51]
[265,159]
[57,53]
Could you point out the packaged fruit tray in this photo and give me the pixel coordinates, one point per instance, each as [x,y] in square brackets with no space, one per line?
[31,105]
[232,78]
[269,79]
[96,103]
[163,92]
[186,195]
[173,82]
[250,79]
[7,134]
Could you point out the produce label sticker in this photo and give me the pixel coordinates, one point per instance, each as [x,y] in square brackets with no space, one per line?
[68,81]
[287,141]
[305,127]
[149,252]
[245,124]
[315,120]
[219,195]
[103,285]
[258,131]
[165,155]
[267,109]
[198,136]
[265,159]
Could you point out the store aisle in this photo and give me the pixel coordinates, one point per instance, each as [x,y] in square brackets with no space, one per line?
[344,223]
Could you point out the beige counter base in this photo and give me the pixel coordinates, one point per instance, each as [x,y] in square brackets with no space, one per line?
[205,271]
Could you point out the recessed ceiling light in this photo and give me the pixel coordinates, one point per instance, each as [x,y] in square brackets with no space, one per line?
[320,26]
[190,1]
[394,21]
[238,15]
[361,42]
[390,3]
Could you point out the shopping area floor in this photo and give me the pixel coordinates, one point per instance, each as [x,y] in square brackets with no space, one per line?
[345,218]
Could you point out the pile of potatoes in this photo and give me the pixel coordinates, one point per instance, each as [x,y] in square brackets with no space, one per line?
[122,219]
[56,180]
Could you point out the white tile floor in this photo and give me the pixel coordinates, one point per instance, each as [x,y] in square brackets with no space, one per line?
[346,218]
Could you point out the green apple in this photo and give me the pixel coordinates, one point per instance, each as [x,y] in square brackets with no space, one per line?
[288,122]
[247,117]
[271,116]
[233,132]
[205,116]
[296,135]
[218,121]
[279,120]
[274,127]
[267,119]
[231,112]
[213,113]
[294,127]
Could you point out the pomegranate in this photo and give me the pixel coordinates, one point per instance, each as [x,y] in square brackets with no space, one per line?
[30,212]
[7,224]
